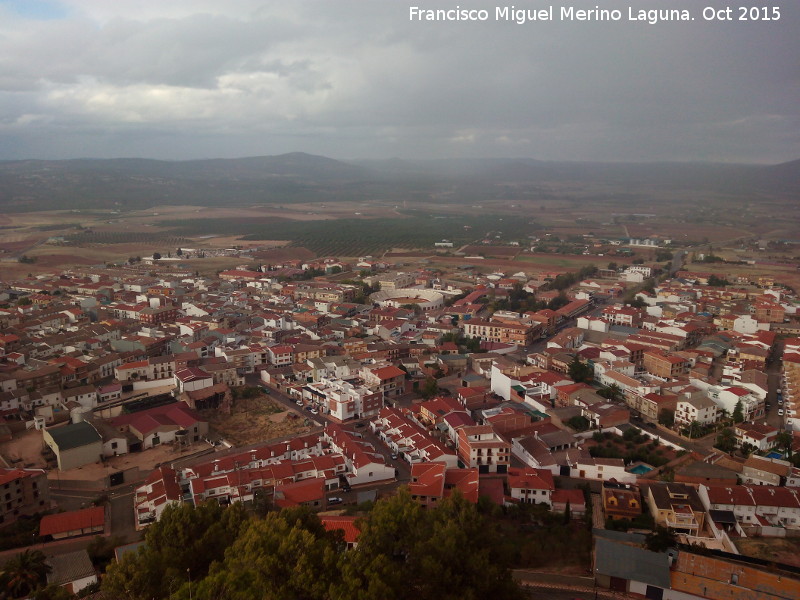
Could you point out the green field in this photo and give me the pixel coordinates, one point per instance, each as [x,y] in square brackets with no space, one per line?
[355,237]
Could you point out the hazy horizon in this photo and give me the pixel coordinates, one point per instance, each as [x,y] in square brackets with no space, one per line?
[362,159]
[357,80]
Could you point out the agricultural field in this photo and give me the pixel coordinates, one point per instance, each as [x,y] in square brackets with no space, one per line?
[359,236]
[406,228]
[493,251]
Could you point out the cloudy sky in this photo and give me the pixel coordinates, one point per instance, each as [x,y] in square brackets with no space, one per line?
[182,79]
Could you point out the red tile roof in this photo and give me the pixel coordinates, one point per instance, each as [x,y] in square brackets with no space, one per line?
[73,521]
[345,524]
[389,372]
[300,492]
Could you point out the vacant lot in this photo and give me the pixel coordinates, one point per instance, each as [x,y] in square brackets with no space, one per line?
[256,420]
[780,550]
[24,450]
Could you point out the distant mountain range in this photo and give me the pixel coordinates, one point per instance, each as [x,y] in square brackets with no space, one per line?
[28,185]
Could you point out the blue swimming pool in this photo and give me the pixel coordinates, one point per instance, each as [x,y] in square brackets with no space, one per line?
[641,469]
[774,455]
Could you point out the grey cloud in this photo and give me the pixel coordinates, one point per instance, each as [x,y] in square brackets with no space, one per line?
[353,79]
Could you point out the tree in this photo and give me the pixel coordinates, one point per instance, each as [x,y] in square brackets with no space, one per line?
[56,592]
[695,429]
[184,541]
[24,573]
[580,371]
[747,449]
[289,554]
[726,440]
[408,553]
[405,553]
[179,252]
[660,540]
[666,417]
[784,440]
[156,256]
[612,392]
[558,302]
[738,413]
[578,423]
[430,389]
[715,281]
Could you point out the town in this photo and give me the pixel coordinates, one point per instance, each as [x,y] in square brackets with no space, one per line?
[648,399]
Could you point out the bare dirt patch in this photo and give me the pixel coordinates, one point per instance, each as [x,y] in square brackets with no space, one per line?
[50,260]
[256,420]
[780,550]
[24,450]
[499,251]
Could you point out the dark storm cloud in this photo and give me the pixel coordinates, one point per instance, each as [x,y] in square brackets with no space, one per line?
[356,78]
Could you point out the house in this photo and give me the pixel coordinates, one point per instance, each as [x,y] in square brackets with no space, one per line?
[622,564]
[309,492]
[482,447]
[676,506]
[432,412]
[621,500]
[756,506]
[760,470]
[192,378]
[74,445]
[389,380]
[760,436]
[696,408]
[575,499]
[665,365]
[160,489]
[433,481]
[531,486]
[364,463]
[408,439]
[73,523]
[163,424]
[25,492]
[348,525]
[73,571]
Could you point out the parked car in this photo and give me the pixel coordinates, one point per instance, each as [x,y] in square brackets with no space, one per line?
[313,411]
[394,456]
[780,412]
[299,402]
[335,500]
